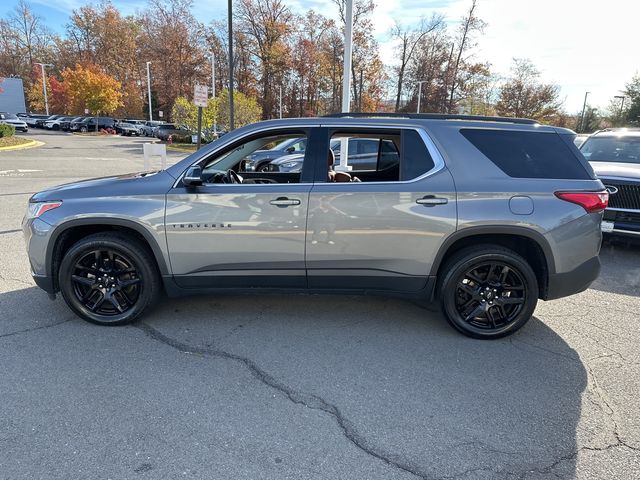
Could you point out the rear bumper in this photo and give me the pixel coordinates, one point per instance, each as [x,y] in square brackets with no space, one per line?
[576,281]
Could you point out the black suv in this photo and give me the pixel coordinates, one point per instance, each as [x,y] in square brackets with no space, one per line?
[88,124]
[614,154]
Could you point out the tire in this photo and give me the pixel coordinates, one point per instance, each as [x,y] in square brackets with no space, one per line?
[487,291]
[83,129]
[114,286]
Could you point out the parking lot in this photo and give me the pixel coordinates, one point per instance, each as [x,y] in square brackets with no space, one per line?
[249,387]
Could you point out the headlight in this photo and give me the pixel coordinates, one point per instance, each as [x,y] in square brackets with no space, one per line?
[38,208]
[290,164]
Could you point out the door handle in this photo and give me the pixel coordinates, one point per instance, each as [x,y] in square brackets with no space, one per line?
[284,202]
[431,201]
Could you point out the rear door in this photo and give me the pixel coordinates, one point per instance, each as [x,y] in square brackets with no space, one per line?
[384,231]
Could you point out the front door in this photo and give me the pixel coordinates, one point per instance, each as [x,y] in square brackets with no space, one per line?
[248,234]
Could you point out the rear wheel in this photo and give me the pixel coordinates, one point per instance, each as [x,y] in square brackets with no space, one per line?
[488,292]
[109,278]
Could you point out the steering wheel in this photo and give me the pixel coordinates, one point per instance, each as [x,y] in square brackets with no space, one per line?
[232,177]
[259,180]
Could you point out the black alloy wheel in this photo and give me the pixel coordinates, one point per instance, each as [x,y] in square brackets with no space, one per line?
[109,278]
[488,292]
[106,282]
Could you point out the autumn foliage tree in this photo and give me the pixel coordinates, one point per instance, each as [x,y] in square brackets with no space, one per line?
[91,88]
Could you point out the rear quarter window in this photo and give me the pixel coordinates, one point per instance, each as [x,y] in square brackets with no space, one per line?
[523,154]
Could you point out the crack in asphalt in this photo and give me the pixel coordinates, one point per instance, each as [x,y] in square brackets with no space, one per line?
[32,329]
[311,401]
[3,232]
[317,403]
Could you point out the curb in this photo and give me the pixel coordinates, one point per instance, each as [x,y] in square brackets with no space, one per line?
[30,144]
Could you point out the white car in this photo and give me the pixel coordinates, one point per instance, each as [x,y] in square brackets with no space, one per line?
[55,124]
[11,119]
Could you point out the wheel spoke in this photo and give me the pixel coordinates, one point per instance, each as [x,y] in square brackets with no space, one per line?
[476,312]
[504,274]
[468,289]
[129,282]
[90,270]
[511,300]
[98,303]
[83,280]
[116,303]
[491,318]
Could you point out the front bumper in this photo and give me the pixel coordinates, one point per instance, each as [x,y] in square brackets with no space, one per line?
[37,234]
[576,281]
[621,222]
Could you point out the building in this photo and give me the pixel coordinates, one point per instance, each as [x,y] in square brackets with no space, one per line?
[12,95]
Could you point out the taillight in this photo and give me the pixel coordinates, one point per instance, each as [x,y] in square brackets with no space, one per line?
[592,202]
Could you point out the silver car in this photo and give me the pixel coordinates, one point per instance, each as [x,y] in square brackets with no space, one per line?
[484,215]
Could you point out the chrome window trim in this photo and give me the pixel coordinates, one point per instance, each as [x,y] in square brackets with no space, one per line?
[436,156]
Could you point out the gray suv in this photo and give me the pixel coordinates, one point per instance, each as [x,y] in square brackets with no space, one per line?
[486,215]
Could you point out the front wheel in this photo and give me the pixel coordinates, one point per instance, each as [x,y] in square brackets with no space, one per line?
[109,278]
[488,292]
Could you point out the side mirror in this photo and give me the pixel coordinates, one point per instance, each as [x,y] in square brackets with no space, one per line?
[290,150]
[193,177]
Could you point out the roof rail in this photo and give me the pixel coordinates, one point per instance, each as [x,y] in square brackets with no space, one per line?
[434,116]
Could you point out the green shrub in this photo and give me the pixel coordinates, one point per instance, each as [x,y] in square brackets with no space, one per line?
[7,130]
[178,138]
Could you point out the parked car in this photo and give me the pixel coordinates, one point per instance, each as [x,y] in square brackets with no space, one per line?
[580,138]
[614,154]
[65,125]
[363,154]
[56,124]
[91,124]
[11,119]
[487,215]
[40,122]
[148,130]
[31,119]
[169,129]
[259,161]
[127,129]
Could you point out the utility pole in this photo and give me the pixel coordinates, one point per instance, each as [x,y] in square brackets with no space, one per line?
[280,102]
[213,91]
[584,107]
[622,99]
[44,84]
[346,79]
[360,95]
[420,93]
[231,107]
[149,91]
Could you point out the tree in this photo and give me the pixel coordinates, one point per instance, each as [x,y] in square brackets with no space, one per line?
[89,87]
[409,39]
[185,112]
[591,123]
[247,109]
[470,24]
[524,95]
[56,93]
[632,91]
[268,23]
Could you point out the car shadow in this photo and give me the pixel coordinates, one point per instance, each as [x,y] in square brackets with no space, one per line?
[620,271]
[403,385]
[412,389]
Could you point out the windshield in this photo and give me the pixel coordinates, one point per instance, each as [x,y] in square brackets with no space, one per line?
[10,116]
[625,149]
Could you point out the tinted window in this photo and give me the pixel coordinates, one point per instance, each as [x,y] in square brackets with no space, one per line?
[416,158]
[612,149]
[527,154]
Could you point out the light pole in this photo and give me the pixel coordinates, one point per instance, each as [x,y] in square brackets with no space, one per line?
[346,79]
[213,90]
[280,102]
[44,84]
[231,106]
[622,99]
[420,93]
[149,91]
[584,107]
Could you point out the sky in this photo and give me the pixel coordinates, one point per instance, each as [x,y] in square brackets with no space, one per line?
[580,45]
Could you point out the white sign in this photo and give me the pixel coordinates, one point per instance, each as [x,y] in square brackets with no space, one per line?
[201,95]
[86,111]
[160,113]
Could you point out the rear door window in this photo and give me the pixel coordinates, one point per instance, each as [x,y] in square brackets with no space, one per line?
[524,154]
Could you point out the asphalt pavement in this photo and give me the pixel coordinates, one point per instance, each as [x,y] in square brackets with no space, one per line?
[304,387]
